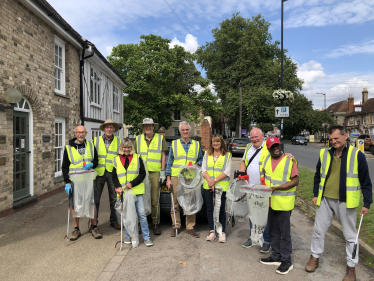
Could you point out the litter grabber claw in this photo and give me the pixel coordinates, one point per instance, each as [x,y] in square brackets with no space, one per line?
[246,177]
[172,202]
[355,245]
[189,164]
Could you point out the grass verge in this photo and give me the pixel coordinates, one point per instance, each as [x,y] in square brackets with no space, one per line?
[305,192]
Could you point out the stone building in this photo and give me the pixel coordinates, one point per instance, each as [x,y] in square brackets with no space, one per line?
[40,56]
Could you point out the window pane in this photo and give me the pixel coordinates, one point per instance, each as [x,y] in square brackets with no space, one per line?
[60,51]
[91,90]
[60,62]
[26,106]
[60,128]
[56,128]
[59,85]
[60,140]
[56,60]
[91,72]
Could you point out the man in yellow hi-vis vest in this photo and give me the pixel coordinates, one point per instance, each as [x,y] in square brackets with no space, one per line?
[107,147]
[151,147]
[79,155]
[182,151]
[342,175]
[282,176]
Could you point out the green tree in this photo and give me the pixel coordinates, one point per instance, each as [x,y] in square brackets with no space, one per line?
[161,80]
[243,50]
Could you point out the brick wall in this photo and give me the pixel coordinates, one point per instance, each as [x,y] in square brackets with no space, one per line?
[205,134]
[27,63]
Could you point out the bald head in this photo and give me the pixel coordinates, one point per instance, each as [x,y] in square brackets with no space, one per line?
[80,133]
[257,137]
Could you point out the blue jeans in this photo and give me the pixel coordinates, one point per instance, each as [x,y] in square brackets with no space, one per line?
[266,232]
[139,205]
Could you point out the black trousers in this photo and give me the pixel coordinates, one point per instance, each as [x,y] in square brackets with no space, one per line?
[100,183]
[280,234]
[210,208]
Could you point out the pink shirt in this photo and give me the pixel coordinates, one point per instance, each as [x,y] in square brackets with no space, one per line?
[275,162]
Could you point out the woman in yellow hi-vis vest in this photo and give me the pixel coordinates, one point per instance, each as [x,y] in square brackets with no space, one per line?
[216,168]
[128,173]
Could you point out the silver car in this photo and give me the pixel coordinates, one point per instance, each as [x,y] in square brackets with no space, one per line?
[237,145]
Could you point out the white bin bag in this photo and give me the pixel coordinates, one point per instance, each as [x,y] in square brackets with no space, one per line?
[189,193]
[236,201]
[83,193]
[130,218]
[218,190]
[147,193]
[258,206]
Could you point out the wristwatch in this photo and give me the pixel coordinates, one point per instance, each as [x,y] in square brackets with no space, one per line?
[215,180]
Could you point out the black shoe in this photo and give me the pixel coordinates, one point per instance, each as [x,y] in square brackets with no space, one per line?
[248,243]
[285,267]
[265,248]
[271,261]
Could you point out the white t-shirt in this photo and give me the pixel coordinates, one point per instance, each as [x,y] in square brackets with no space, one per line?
[253,169]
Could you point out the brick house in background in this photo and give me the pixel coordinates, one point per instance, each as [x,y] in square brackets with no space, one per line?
[40,56]
[360,117]
[338,111]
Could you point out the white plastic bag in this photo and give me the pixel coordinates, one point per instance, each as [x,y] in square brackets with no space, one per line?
[258,206]
[117,207]
[189,193]
[218,190]
[130,218]
[236,201]
[84,203]
[147,194]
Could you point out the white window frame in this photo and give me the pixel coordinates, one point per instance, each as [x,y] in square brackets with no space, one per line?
[96,133]
[95,95]
[61,146]
[176,113]
[176,132]
[116,96]
[61,44]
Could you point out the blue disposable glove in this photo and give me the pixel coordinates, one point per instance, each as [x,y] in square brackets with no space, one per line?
[87,166]
[68,188]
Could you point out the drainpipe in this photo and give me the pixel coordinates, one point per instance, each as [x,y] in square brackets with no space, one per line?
[85,46]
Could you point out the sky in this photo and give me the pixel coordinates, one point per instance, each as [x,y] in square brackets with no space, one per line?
[332,41]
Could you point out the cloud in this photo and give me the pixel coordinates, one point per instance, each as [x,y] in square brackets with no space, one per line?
[189,45]
[348,50]
[108,50]
[336,86]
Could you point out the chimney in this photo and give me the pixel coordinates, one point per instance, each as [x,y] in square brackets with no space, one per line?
[351,101]
[365,94]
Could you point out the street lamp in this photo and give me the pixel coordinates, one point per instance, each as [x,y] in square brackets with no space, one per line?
[325,113]
[12,96]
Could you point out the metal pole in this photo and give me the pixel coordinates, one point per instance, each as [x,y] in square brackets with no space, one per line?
[325,118]
[281,136]
[240,109]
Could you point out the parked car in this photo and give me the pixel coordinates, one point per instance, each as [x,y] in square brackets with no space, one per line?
[368,142]
[237,145]
[299,140]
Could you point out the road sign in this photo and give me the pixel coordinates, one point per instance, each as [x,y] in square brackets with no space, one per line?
[360,145]
[282,111]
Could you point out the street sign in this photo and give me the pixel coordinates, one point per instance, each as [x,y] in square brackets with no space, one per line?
[360,145]
[282,111]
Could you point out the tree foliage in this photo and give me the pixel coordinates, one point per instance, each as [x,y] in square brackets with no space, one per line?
[161,80]
[243,50]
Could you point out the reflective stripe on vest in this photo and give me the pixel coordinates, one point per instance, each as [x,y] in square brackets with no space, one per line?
[264,152]
[76,160]
[182,158]
[280,200]
[152,154]
[353,186]
[106,157]
[214,169]
[132,172]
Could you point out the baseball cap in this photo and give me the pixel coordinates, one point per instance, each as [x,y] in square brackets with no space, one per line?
[272,140]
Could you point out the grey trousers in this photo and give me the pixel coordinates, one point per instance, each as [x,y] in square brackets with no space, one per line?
[346,217]
[100,183]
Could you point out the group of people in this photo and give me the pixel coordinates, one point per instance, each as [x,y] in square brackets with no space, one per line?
[341,176]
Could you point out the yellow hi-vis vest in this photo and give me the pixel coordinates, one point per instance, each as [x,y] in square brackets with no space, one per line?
[77,160]
[181,157]
[264,152]
[106,157]
[281,200]
[132,172]
[152,154]
[353,186]
[214,169]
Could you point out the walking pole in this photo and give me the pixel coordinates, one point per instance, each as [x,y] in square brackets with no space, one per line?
[67,232]
[120,248]
[355,245]
[158,202]
[172,202]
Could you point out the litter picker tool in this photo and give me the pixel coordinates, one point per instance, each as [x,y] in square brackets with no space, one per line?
[172,202]
[67,232]
[120,248]
[158,202]
[355,245]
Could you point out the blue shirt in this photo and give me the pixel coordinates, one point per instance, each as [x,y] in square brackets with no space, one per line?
[186,146]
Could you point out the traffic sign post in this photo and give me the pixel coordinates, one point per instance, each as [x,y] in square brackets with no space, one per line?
[360,145]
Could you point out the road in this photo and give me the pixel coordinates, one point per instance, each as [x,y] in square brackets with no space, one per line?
[307,156]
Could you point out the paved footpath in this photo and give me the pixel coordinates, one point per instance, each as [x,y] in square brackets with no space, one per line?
[32,248]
